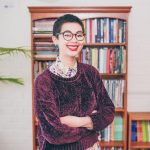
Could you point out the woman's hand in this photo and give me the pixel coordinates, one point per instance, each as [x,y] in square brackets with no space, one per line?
[71,121]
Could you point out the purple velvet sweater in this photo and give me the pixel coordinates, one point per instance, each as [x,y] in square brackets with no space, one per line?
[56,96]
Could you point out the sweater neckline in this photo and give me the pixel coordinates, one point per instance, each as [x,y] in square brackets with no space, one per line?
[71,79]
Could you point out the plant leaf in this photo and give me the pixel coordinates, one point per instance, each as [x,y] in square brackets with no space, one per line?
[17,50]
[11,80]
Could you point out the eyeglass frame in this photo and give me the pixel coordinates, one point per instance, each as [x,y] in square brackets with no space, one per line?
[72,35]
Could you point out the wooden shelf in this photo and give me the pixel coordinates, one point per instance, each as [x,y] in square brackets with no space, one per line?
[112,76]
[45,59]
[140,145]
[140,115]
[111,144]
[85,45]
[85,9]
[42,37]
[104,44]
[118,110]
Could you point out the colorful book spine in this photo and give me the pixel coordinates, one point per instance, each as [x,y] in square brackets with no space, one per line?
[148,131]
[144,131]
[118,128]
[134,131]
[139,131]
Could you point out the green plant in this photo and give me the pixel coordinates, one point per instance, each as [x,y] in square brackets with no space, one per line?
[13,51]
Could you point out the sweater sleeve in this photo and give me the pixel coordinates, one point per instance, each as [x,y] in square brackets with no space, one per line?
[48,116]
[105,107]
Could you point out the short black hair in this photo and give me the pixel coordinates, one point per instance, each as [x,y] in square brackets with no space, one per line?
[65,19]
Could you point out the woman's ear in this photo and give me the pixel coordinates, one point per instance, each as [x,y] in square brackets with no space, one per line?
[55,40]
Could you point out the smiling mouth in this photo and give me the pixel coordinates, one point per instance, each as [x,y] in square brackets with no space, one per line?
[73,47]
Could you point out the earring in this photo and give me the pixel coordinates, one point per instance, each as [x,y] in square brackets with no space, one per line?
[56,47]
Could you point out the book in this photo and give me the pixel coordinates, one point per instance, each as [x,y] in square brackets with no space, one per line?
[139,131]
[118,128]
[134,131]
[144,131]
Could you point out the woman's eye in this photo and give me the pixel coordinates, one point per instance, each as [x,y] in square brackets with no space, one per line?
[79,35]
[67,35]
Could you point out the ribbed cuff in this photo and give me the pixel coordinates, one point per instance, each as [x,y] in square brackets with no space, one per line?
[94,120]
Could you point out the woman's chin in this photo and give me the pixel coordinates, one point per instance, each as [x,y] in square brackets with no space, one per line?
[73,53]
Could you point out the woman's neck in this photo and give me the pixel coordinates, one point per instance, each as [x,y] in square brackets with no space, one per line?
[68,61]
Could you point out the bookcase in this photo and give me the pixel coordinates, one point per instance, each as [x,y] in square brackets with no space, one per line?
[139,130]
[106,48]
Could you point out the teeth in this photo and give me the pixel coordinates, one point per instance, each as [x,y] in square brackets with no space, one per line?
[72,46]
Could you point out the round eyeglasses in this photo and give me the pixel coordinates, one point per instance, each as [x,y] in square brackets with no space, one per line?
[68,35]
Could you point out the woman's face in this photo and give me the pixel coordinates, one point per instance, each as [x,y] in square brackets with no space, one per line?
[70,40]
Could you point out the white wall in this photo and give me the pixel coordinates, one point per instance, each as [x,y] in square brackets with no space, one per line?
[15,101]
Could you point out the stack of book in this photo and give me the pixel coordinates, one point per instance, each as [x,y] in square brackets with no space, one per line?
[115,89]
[43,27]
[113,132]
[40,66]
[44,49]
[140,131]
[105,30]
[106,59]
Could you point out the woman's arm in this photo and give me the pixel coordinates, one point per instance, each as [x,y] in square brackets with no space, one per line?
[105,109]
[48,115]
[73,121]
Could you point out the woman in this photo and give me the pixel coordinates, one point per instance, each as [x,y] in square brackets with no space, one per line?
[71,102]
